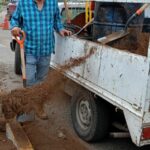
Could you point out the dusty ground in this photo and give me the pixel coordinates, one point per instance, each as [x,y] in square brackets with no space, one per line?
[5,144]
[55,133]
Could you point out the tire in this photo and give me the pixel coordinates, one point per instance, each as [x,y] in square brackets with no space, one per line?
[90,117]
[17,64]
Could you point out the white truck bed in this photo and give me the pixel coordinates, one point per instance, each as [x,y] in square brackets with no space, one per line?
[120,77]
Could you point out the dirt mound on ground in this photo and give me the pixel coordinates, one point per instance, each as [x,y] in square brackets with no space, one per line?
[49,137]
[25,100]
[56,132]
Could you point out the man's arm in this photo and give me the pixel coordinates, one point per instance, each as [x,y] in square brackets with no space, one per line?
[58,26]
[15,21]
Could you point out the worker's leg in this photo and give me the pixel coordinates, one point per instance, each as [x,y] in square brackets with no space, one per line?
[30,74]
[31,62]
[42,68]
[42,71]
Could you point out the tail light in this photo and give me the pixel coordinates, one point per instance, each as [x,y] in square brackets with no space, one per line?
[146,133]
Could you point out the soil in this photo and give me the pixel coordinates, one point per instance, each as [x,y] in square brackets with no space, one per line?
[5,144]
[135,42]
[54,133]
[26,100]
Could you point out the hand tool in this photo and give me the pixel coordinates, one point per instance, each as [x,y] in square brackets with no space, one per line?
[67,12]
[86,25]
[20,40]
[120,34]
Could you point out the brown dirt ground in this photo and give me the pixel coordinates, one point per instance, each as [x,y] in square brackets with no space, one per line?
[55,133]
[5,144]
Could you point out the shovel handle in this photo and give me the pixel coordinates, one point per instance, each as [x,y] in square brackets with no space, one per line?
[23,66]
[86,25]
[140,10]
[20,40]
[67,11]
[137,13]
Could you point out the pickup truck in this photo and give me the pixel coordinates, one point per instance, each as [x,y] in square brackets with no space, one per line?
[113,85]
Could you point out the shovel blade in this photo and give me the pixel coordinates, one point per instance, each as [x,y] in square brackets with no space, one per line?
[112,37]
[24,83]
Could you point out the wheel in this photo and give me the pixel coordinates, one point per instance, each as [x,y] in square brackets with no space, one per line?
[17,64]
[90,116]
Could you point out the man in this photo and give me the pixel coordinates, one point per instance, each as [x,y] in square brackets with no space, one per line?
[38,19]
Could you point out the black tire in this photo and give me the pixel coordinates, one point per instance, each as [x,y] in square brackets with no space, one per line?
[90,116]
[17,64]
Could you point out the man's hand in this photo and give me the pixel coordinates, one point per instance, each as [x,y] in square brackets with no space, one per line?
[65,32]
[15,31]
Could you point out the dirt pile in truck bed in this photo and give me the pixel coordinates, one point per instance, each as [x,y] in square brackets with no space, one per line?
[26,100]
[135,42]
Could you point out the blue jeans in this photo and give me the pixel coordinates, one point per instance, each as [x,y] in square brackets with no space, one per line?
[36,69]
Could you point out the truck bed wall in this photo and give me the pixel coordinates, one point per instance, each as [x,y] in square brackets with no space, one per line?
[120,77]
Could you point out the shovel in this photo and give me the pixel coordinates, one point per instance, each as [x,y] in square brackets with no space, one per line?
[86,25]
[120,34]
[20,40]
[67,11]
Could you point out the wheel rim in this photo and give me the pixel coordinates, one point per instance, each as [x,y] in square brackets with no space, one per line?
[83,113]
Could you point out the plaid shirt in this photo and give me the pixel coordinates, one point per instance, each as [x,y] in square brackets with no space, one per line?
[38,25]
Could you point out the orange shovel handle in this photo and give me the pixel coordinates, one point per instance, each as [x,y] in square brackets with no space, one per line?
[21,41]
[140,10]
